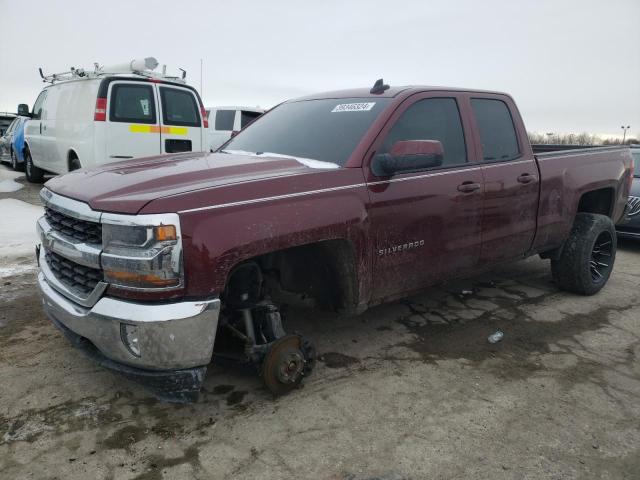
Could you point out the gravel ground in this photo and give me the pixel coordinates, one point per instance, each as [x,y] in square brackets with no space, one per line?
[410,390]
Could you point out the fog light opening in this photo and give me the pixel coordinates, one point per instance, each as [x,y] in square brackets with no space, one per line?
[129,336]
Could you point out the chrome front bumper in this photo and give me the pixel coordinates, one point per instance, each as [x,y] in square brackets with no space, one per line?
[172,336]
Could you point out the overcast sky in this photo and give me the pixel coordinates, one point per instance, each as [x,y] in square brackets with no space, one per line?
[571,66]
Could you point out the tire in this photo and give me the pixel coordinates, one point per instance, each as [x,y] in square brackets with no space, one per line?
[74,164]
[15,164]
[587,257]
[33,173]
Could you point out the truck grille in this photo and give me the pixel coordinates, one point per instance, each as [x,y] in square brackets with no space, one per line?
[633,206]
[74,276]
[82,230]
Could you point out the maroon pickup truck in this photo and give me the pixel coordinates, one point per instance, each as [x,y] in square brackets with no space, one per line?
[340,200]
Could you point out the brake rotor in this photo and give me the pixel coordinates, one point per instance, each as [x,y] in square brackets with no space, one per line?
[286,363]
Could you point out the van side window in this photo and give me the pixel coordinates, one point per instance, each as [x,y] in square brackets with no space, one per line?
[37,107]
[225,119]
[179,107]
[431,119]
[497,132]
[132,104]
[247,117]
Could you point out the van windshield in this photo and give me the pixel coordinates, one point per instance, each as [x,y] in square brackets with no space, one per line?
[326,130]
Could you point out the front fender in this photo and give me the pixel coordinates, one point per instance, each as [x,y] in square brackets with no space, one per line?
[217,240]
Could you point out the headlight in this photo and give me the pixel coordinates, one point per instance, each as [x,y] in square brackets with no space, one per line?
[142,252]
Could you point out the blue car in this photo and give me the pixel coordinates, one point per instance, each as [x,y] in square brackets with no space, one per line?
[630,228]
[12,144]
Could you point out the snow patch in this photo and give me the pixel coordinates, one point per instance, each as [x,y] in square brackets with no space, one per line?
[14,269]
[308,162]
[6,172]
[7,183]
[18,235]
[7,186]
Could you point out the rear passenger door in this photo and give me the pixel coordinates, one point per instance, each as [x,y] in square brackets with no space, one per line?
[511,180]
[181,129]
[132,123]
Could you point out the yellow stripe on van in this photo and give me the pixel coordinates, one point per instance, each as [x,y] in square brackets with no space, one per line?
[140,128]
[157,129]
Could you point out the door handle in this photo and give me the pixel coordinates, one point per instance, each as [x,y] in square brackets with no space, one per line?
[40,128]
[468,187]
[526,178]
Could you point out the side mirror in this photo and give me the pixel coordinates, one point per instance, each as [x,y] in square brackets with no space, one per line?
[23,110]
[408,156]
[234,133]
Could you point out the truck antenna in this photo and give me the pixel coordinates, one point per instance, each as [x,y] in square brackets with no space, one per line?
[379,87]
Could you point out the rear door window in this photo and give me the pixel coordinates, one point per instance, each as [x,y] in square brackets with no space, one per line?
[247,117]
[225,119]
[132,103]
[179,107]
[497,131]
[431,119]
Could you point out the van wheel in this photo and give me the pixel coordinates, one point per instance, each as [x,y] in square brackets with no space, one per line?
[586,261]
[74,164]
[17,166]
[33,173]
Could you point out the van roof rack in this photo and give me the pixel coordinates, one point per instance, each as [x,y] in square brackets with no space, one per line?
[143,67]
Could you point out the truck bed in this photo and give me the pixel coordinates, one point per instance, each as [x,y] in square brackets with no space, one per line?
[566,175]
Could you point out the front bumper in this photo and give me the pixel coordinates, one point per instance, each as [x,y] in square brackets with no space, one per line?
[175,339]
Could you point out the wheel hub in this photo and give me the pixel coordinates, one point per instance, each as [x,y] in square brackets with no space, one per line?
[600,261]
[291,367]
[286,363]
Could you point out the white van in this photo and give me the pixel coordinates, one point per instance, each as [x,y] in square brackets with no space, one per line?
[84,119]
[224,121]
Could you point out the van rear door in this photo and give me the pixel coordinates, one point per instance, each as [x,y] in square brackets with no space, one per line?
[181,122]
[133,128]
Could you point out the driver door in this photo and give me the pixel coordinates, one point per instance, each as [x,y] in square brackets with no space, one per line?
[426,225]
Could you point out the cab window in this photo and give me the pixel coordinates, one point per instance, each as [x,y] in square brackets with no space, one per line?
[431,119]
[179,107]
[225,119]
[132,104]
[497,132]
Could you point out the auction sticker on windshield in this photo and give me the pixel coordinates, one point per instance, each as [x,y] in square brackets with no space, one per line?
[353,107]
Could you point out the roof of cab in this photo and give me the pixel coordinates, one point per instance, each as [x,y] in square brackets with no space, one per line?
[390,92]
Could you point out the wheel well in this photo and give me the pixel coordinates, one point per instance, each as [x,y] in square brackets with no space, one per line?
[72,155]
[321,274]
[597,201]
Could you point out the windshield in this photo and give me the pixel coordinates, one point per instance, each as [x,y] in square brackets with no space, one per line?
[326,130]
[636,162]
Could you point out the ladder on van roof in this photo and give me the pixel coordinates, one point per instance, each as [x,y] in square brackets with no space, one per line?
[143,67]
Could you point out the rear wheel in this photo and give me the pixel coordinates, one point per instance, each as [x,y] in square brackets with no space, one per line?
[33,173]
[586,261]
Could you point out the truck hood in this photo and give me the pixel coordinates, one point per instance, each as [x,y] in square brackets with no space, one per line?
[126,187]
